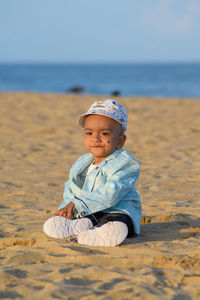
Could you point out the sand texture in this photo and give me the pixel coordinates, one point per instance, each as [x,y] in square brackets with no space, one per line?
[39,141]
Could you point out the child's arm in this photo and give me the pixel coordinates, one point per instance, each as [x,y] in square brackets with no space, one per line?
[67,198]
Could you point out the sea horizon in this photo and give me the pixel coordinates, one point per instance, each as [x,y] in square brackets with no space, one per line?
[149,79]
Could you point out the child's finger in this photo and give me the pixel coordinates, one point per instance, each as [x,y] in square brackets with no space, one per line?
[59,213]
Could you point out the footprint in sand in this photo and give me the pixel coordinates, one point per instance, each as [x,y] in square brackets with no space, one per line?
[16,273]
[27,259]
[10,295]
[65,271]
[111,284]
[77,281]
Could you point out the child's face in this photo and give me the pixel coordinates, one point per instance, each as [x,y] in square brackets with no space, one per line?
[102,136]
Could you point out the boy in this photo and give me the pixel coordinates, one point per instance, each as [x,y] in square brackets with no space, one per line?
[101,206]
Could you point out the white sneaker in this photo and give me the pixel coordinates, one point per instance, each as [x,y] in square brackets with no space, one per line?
[61,228]
[108,235]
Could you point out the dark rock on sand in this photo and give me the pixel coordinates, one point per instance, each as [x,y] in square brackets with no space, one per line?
[76,89]
[115,93]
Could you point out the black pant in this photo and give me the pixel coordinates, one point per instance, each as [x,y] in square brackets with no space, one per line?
[101,218]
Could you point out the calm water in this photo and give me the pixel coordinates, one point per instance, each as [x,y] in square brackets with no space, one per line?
[167,80]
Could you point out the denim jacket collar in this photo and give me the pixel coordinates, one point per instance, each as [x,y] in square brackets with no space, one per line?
[87,160]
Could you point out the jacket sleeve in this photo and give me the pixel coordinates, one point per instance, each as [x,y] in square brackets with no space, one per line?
[118,185]
[67,195]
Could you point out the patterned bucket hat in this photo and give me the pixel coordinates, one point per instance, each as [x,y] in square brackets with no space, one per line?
[109,108]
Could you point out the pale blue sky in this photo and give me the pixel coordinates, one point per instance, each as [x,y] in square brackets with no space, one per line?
[99,31]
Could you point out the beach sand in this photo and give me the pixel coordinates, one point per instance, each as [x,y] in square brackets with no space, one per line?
[40,139]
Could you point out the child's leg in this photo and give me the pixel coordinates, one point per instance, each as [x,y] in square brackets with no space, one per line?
[61,228]
[104,218]
[111,230]
[108,235]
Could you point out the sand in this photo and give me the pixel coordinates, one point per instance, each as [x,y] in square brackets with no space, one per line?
[39,140]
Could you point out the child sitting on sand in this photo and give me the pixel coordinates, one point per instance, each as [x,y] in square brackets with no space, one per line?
[101,206]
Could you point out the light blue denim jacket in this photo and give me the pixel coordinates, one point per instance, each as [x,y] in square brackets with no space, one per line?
[110,187]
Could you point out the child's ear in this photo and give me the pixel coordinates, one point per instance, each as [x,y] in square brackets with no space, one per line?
[121,141]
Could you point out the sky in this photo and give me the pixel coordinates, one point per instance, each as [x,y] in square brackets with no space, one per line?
[99,31]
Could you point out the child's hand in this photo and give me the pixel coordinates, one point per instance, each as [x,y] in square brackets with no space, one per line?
[67,211]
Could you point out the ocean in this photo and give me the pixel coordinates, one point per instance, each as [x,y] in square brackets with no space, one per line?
[153,80]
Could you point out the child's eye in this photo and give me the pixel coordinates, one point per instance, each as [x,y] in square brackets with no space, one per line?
[88,133]
[105,133]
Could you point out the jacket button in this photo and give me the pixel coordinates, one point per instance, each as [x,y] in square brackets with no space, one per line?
[83,213]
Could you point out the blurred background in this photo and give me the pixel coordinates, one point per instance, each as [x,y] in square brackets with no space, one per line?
[108,47]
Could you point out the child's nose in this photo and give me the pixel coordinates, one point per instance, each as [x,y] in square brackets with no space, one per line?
[96,136]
